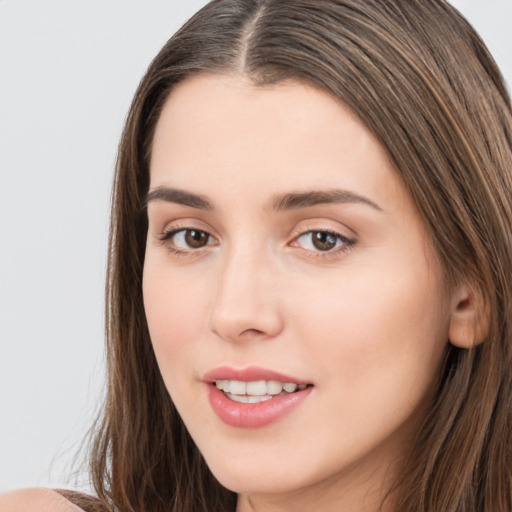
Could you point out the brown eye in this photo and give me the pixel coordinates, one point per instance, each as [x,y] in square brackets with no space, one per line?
[196,239]
[323,241]
[182,240]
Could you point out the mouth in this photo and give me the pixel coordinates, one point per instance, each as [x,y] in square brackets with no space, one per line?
[257,391]
[253,397]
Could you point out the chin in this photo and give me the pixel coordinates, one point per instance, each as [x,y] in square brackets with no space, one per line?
[244,476]
[256,483]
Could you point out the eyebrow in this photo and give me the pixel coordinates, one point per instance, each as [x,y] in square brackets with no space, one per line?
[173,195]
[297,200]
[281,202]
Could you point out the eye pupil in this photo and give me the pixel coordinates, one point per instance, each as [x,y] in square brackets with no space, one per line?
[324,241]
[196,238]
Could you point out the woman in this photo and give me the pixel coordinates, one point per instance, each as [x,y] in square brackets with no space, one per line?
[310,265]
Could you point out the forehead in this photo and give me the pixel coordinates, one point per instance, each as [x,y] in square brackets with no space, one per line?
[226,101]
[226,133]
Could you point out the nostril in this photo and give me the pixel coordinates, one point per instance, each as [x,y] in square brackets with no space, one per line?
[250,332]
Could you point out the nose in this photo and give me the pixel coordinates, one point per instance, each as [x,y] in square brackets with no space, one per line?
[246,303]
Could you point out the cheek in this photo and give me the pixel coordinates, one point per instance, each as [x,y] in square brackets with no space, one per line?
[174,312]
[374,326]
[374,346]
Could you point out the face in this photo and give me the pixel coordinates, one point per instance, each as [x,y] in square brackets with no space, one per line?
[295,306]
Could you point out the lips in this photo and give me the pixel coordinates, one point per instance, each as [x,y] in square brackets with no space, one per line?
[251,373]
[253,397]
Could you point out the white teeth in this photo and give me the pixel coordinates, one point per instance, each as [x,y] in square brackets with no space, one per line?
[289,387]
[256,388]
[274,387]
[260,389]
[248,399]
[237,387]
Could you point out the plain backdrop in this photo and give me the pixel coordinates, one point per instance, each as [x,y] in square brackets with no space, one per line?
[68,70]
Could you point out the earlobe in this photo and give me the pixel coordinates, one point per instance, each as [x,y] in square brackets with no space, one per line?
[469,321]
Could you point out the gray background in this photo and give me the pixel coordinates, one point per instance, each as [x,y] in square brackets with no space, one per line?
[68,70]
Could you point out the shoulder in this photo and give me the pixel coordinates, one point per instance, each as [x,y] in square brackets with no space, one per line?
[30,500]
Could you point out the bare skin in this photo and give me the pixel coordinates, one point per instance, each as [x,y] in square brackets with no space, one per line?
[343,293]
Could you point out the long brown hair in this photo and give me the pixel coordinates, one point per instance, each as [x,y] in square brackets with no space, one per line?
[422,81]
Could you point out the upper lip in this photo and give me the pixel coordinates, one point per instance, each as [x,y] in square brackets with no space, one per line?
[249,374]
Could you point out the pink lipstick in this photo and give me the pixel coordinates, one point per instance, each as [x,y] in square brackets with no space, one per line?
[253,397]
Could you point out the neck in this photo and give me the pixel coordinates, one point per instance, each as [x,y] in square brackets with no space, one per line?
[343,493]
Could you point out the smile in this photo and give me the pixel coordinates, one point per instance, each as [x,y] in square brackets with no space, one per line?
[253,397]
[256,391]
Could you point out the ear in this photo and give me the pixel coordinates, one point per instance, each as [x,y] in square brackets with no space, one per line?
[470,318]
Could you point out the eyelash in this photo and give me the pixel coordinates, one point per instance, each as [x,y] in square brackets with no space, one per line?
[167,237]
[346,243]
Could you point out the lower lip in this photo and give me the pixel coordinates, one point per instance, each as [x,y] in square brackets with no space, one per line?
[242,415]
